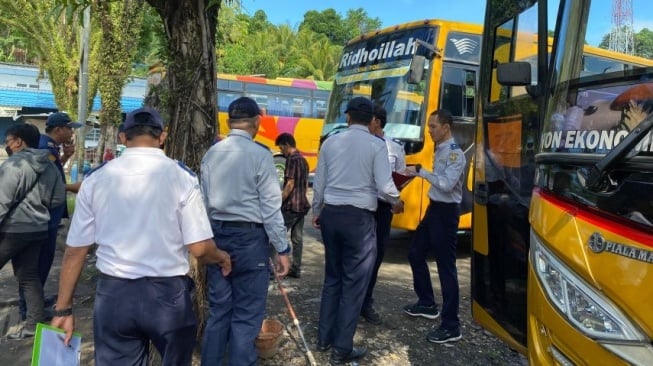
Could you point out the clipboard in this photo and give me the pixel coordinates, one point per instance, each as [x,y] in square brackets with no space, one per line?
[401,180]
[50,350]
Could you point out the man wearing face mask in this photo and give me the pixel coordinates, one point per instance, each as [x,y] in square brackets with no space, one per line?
[29,187]
[59,129]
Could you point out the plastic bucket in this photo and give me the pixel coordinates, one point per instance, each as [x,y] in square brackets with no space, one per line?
[268,339]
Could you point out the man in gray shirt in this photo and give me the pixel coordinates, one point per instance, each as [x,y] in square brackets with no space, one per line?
[437,231]
[352,169]
[243,200]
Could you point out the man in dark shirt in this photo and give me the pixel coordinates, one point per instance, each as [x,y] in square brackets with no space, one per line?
[295,203]
[57,140]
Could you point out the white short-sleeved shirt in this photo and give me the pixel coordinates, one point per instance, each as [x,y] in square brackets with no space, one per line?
[142,209]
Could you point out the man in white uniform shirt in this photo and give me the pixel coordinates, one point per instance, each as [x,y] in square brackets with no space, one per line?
[145,212]
[383,216]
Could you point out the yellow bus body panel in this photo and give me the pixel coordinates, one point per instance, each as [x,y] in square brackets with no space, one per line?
[625,281]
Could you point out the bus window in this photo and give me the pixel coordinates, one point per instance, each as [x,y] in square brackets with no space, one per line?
[225,98]
[526,45]
[320,100]
[501,54]
[458,91]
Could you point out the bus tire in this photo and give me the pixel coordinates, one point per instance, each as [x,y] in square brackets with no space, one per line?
[280,166]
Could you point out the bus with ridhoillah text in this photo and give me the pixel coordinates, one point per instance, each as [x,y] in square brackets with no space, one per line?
[562,235]
[411,70]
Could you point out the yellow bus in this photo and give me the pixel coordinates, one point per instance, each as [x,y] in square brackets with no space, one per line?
[563,173]
[412,69]
[295,106]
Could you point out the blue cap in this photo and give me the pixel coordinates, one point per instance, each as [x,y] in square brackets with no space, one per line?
[61,119]
[360,104]
[144,116]
[243,107]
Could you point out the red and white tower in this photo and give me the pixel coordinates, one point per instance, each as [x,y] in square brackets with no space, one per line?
[622,38]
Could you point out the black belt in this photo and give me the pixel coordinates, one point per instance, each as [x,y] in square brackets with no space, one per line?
[382,203]
[439,203]
[242,224]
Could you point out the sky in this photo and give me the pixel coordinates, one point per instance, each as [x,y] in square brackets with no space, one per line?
[392,12]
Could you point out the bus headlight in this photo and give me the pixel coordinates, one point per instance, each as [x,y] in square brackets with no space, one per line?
[585,308]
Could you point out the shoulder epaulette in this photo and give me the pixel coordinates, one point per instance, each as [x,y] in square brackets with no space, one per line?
[94,169]
[263,146]
[454,146]
[397,141]
[185,168]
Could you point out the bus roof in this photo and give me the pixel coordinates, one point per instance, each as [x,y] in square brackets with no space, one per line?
[460,26]
[292,82]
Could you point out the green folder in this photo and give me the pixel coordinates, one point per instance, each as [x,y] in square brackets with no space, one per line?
[50,350]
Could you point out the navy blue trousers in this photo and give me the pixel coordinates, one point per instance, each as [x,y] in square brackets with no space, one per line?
[437,232]
[383,218]
[236,302]
[350,250]
[128,314]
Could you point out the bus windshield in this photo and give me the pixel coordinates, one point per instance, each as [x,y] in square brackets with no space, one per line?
[377,68]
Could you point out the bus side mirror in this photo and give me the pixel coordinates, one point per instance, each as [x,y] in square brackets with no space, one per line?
[514,74]
[416,70]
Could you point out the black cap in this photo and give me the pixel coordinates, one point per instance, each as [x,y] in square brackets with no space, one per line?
[360,104]
[144,116]
[61,119]
[243,107]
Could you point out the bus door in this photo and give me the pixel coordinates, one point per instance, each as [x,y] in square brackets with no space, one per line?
[504,167]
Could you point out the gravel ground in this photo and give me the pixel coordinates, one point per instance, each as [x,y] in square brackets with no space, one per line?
[400,340]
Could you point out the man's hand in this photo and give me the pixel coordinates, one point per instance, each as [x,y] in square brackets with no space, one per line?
[73,187]
[283,265]
[68,150]
[398,207]
[316,222]
[224,262]
[410,171]
[67,323]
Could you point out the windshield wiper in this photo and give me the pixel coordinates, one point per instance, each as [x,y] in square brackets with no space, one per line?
[596,178]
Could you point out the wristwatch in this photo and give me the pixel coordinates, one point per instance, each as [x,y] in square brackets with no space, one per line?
[63,312]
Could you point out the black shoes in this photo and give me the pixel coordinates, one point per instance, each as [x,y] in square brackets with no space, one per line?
[322,346]
[428,312]
[442,335]
[341,358]
[294,273]
[371,316]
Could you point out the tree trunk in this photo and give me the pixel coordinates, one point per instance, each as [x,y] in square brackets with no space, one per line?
[190,27]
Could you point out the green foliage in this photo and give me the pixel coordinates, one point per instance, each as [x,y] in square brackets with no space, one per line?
[259,23]
[151,47]
[358,22]
[643,43]
[252,45]
[52,39]
[326,22]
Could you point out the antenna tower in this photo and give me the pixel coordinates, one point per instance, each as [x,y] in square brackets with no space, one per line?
[622,37]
